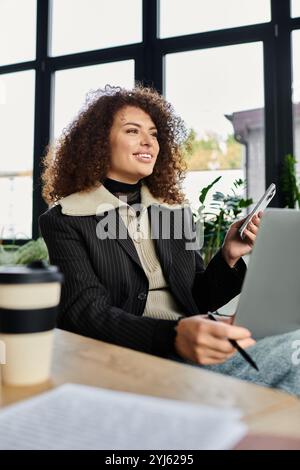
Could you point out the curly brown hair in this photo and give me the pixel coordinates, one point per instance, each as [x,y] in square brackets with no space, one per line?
[80,159]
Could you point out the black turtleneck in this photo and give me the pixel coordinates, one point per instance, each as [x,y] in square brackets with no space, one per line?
[118,188]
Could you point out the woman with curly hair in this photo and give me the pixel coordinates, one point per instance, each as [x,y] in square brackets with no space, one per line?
[122,233]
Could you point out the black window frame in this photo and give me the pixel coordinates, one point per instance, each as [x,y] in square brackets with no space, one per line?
[148,56]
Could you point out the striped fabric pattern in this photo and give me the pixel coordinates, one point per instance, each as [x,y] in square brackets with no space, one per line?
[105,290]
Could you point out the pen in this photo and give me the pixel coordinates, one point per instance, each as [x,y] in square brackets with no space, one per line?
[236,346]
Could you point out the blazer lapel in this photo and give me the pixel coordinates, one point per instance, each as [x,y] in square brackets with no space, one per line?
[164,243]
[124,240]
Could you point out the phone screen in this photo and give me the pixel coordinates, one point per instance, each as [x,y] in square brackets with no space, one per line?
[260,206]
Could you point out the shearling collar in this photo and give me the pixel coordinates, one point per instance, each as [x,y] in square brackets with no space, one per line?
[100,200]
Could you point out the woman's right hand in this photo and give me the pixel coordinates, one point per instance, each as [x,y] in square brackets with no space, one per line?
[206,342]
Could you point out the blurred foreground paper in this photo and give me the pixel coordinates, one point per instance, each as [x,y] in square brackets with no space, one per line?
[81,417]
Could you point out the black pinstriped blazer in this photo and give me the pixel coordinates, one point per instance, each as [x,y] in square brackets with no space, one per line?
[105,289]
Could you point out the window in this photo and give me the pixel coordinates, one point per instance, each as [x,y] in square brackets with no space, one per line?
[178,17]
[295,8]
[17,31]
[16,150]
[219,93]
[71,87]
[79,25]
[215,60]
[296,95]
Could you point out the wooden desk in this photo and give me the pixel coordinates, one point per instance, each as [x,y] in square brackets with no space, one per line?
[82,360]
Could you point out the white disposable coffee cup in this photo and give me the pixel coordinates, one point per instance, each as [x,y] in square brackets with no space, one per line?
[29,299]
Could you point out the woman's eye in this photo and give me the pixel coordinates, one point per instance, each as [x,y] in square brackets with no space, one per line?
[136,131]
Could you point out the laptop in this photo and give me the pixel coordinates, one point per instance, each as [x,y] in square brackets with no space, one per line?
[269,303]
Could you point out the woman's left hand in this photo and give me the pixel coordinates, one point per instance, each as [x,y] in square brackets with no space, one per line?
[234,247]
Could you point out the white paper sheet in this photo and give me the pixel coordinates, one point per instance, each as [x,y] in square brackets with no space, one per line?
[81,417]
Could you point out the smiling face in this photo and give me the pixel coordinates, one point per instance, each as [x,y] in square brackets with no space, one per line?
[134,145]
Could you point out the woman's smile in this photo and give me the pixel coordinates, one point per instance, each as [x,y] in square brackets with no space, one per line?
[143,157]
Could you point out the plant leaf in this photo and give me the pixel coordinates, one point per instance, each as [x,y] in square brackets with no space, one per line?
[205,190]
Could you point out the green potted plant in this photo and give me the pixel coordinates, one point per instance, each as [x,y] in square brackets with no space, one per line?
[290,183]
[218,217]
[33,250]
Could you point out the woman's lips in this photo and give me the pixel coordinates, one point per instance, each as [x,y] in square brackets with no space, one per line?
[143,157]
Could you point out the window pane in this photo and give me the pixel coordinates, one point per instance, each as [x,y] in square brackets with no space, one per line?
[178,17]
[295,8]
[16,150]
[17,31]
[219,94]
[296,95]
[71,87]
[79,26]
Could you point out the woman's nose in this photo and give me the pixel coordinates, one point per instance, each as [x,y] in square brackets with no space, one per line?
[146,139]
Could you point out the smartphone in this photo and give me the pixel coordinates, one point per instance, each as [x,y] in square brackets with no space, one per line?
[260,206]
